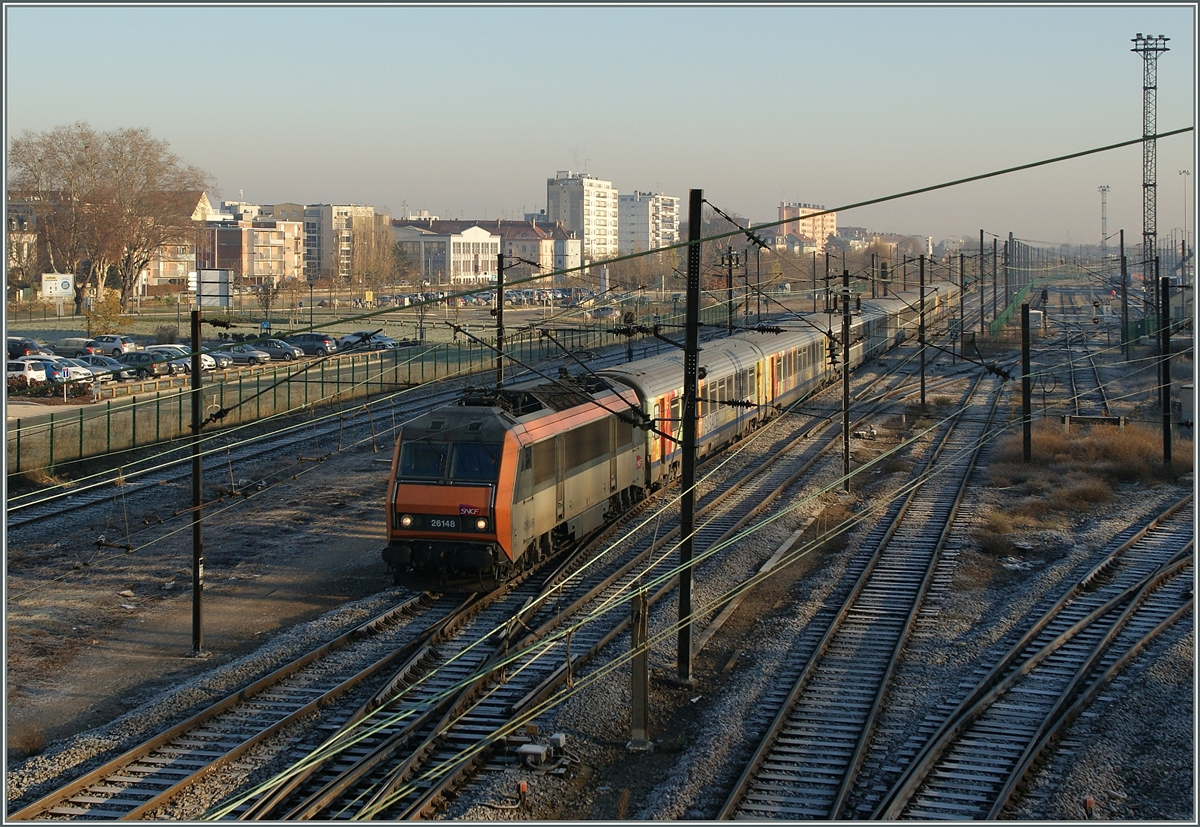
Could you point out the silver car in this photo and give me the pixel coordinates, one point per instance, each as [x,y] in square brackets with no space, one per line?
[116,344]
[109,367]
[246,355]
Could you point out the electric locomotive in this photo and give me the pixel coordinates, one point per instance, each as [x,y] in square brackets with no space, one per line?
[494,484]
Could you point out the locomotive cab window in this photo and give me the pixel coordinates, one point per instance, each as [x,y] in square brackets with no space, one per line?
[465,461]
[422,461]
[474,462]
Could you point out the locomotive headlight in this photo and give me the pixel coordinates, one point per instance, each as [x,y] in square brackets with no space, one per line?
[481,524]
[406,521]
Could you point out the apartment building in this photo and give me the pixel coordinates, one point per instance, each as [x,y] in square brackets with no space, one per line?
[329,231]
[817,227]
[256,251]
[647,221]
[589,207]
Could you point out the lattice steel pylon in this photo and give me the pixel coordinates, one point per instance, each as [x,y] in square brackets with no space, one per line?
[1149,47]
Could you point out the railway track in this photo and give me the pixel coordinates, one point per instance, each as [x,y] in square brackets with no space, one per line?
[807,760]
[974,762]
[149,774]
[1088,396]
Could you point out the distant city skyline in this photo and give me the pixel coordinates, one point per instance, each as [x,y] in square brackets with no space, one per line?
[467,111]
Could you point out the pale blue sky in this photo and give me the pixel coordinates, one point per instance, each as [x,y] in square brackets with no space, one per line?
[466,111]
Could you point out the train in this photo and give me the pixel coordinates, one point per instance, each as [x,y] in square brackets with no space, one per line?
[504,478]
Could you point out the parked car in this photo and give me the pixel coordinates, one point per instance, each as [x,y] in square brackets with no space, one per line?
[314,344]
[603,313]
[366,340]
[221,360]
[21,346]
[246,355]
[178,359]
[75,347]
[49,365]
[33,371]
[77,371]
[146,364]
[109,367]
[279,349]
[116,344]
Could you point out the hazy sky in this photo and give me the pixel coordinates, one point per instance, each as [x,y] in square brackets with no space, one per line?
[466,111]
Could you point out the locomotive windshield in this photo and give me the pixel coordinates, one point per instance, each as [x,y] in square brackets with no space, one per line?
[465,461]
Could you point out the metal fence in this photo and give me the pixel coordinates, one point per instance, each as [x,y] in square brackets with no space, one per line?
[139,414]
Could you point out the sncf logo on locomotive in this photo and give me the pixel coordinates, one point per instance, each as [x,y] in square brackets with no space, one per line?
[468,510]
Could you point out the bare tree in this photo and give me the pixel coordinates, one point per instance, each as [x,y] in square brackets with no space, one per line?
[267,293]
[106,200]
[373,260]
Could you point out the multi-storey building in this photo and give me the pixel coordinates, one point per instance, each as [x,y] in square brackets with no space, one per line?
[647,221]
[454,253]
[257,251]
[588,206]
[424,240]
[818,227]
[329,231]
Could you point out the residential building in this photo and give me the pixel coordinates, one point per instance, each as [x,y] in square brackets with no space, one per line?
[448,253]
[549,245]
[588,206]
[256,251]
[818,227]
[647,221]
[329,231]
[168,269]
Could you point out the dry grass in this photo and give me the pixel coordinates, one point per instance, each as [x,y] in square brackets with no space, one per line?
[26,742]
[1070,472]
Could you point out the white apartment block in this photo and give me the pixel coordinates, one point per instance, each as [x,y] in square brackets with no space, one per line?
[647,221]
[588,206]
[818,227]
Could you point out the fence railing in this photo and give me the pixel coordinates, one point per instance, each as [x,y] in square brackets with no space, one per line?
[140,414]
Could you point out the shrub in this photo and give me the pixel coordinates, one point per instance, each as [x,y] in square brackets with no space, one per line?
[166,334]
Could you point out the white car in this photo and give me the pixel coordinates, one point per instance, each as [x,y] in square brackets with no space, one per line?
[32,371]
[77,371]
[206,362]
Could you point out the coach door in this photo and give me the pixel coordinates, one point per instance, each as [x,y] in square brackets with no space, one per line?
[560,466]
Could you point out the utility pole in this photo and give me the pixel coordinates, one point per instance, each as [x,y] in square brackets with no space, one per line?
[1104,222]
[1149,47]
[921,331]
[729,260]
[758,289]
[197,484]
[995,262]
[982,329]
[499,321]
[1124,300]
[687,516]
[1164,393]
[962,307]
[815,288]
[846,379]
[1026,385]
